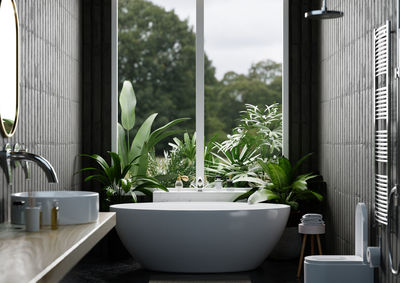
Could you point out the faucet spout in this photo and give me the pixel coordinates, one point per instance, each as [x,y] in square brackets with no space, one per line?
[39,160]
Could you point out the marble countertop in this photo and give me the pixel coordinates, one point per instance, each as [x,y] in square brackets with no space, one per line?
[46,256]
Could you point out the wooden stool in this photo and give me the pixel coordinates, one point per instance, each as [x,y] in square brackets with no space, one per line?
[309,230]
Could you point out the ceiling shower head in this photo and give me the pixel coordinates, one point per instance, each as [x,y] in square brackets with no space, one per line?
[323,14]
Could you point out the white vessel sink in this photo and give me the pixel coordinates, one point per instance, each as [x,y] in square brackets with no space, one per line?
[191,194]
[75,207]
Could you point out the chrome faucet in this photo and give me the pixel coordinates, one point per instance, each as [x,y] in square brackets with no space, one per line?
[199,184]
[19,154]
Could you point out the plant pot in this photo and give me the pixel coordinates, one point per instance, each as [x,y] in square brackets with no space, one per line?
[289,245]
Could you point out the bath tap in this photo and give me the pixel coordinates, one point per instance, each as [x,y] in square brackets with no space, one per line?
[9,157]
[199,184]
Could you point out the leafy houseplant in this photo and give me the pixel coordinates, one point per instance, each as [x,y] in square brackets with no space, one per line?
[259,133]
[283,184]
[115,179]
[137,149]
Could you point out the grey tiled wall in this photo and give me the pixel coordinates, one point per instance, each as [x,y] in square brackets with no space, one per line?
[51,74]
[344,94]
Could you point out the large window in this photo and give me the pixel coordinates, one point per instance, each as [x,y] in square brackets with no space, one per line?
[233,87]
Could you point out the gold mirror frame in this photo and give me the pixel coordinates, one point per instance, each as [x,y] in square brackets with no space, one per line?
[2,126]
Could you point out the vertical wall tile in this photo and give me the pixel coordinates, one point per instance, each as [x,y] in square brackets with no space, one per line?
[50,49]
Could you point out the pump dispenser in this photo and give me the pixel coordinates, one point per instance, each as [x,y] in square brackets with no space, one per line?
[178,183]
[54,215]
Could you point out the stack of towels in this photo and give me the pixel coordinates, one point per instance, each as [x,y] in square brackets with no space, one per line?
[312,219]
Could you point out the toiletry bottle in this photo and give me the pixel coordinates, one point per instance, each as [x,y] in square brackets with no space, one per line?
[54,215]
[39,204]
[178,183]
[218,183]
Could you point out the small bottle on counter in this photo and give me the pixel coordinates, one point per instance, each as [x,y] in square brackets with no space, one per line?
[179,183]
[218,183]
[54,215]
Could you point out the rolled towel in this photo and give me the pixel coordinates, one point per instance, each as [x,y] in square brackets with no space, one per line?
[312,219]
[312,215]
[319,222]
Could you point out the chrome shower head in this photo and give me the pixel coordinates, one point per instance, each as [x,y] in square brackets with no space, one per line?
[323,14]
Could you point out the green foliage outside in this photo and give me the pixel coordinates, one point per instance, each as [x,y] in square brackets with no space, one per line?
[157,54]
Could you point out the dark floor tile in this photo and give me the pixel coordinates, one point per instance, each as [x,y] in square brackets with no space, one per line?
[127,270]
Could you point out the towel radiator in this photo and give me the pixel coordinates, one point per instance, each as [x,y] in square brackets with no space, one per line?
[382,120]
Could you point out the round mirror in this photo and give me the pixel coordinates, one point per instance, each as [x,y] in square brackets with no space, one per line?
[9,71]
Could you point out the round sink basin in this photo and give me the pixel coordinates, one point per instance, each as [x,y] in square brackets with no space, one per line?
[75,207]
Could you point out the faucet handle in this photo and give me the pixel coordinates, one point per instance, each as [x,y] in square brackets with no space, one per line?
[6,162]
[25,165]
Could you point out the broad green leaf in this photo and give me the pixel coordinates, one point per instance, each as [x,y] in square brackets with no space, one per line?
[299,184]
[284,163]
[134,197]
[144,191]
[164,135]
[262,195]
[116,168]
[103,164]
[143,161]
[141,137]
[122,147]
[127,101]
[248,179]
[168,125]
[97,177]
[245,195]
[317,195]
[277,175]
[154,137]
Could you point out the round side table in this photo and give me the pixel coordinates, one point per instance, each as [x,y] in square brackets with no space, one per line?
[312,230]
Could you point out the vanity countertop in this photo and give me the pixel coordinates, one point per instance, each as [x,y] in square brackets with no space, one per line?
[46,256]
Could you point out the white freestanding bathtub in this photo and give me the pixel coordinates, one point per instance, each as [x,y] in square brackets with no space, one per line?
[200,237]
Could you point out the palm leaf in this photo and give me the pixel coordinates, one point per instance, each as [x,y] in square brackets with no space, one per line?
[262,195]
[277,175]
[245,195]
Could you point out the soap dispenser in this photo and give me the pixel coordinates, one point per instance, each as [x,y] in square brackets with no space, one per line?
[54,215]
[179,183]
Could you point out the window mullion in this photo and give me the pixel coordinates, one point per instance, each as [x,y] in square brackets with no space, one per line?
[199,89]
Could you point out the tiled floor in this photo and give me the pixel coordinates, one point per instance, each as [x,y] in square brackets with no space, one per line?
[127,270]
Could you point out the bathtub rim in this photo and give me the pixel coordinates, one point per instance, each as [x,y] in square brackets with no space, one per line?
[193,206]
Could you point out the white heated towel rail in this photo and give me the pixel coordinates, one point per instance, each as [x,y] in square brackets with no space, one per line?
[382,120]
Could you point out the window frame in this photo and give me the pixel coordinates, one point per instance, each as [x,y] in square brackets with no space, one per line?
[200,114]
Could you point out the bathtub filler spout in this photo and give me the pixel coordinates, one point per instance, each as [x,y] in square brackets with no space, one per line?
[199,184]
[9,156]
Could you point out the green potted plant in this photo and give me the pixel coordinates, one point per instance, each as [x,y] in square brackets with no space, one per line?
[279,182]
[117,180]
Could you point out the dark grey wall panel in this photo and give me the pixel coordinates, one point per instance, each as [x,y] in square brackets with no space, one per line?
[303,109]
[51,106]
[344,95]
[96,123]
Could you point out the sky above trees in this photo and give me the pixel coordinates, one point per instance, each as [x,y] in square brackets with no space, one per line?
[238,33]
[156,52]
